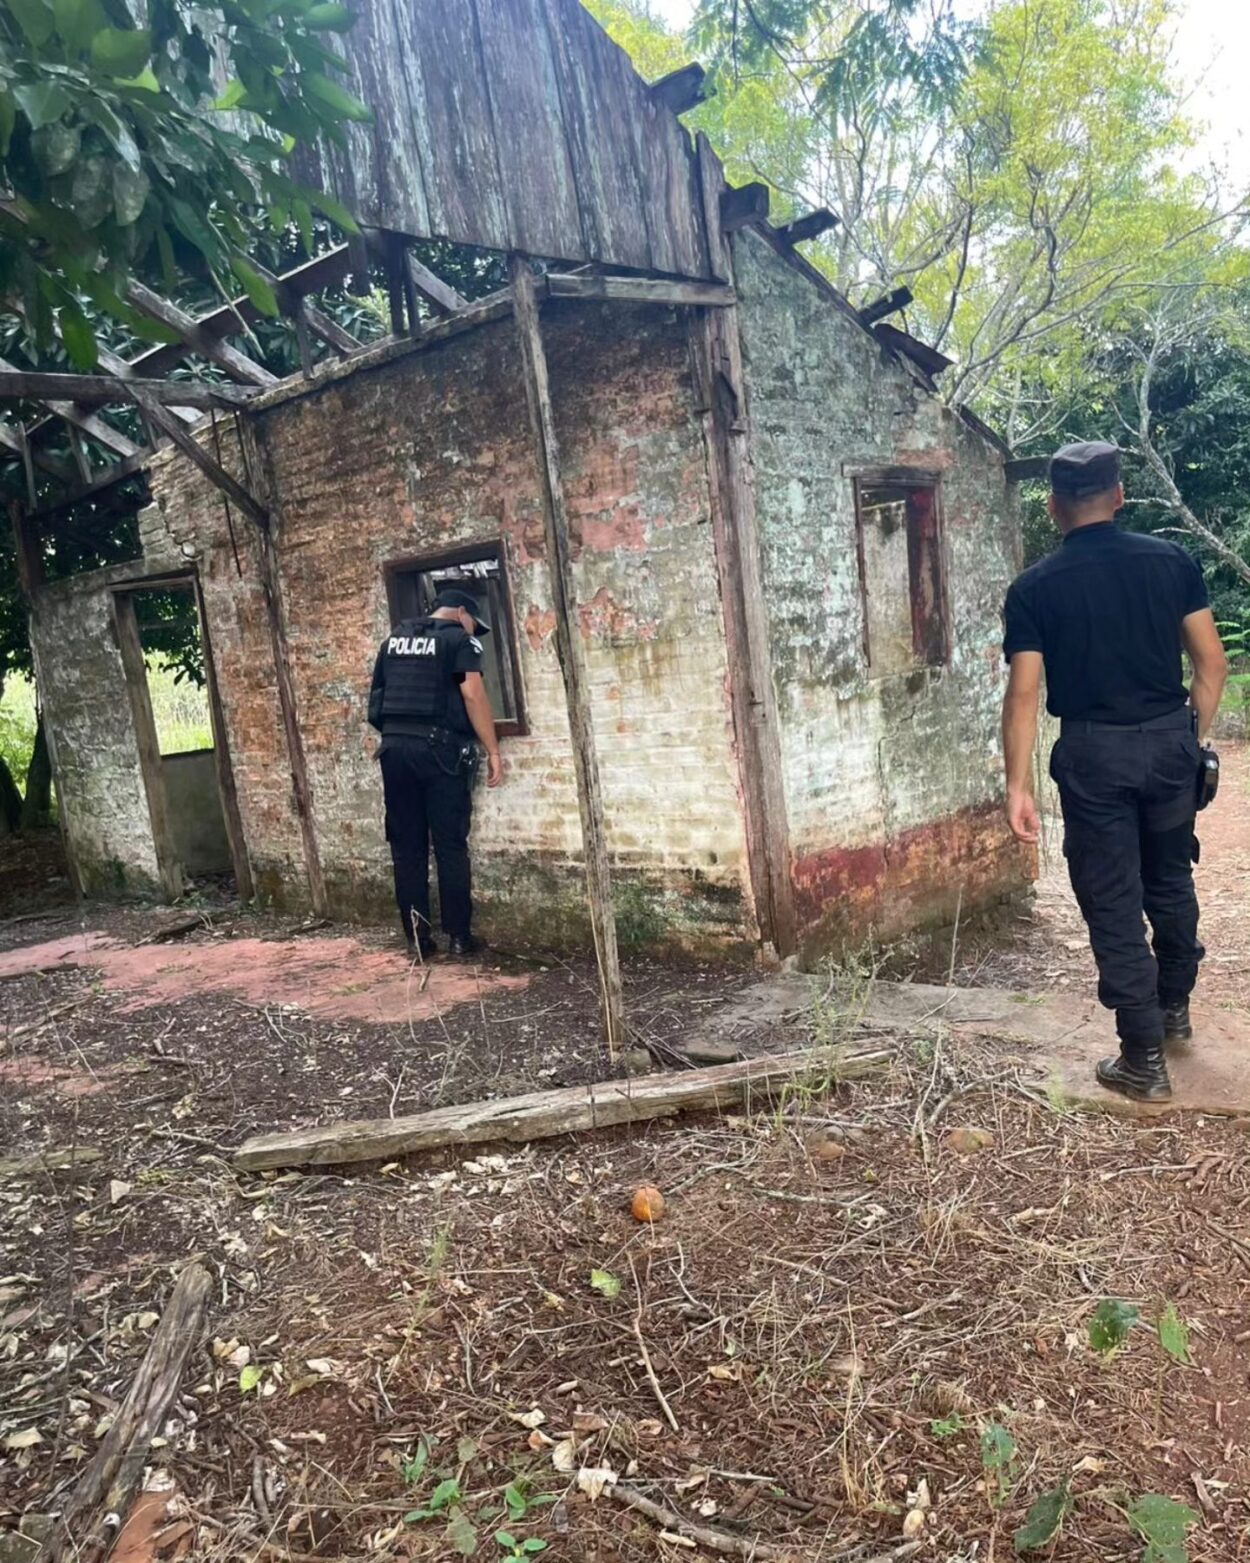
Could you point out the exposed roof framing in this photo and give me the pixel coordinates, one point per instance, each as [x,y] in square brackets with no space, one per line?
[67,391]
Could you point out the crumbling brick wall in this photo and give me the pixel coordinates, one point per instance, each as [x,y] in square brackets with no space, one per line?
[433,451]
[100,788]
[892,782]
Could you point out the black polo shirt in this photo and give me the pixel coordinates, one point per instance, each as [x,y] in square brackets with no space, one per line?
[1105,612]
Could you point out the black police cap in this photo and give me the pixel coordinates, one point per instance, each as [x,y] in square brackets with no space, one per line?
[1086,468]
[453,597]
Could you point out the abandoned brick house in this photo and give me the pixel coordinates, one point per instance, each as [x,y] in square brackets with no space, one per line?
[785,555]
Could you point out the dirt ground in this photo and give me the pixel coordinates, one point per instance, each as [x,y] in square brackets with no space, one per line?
[852,1304]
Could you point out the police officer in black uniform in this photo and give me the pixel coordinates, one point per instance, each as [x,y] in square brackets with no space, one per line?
[1108,615]
[429,702]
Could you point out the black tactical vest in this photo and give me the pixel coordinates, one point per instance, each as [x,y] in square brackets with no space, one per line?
[420,685]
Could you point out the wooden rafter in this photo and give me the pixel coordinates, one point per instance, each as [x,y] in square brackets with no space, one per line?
[444,298]
[809,226]
[639,290]
[899,299]
[102,390]
[124,370]
[680,90]
[198,339]
[16,442]
[44,388]
[298,307]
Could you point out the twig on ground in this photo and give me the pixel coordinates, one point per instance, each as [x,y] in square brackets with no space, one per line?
[707,1536]
[661,1399]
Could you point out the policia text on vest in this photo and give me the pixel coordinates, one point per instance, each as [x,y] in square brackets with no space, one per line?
[1108,616]
[429,702]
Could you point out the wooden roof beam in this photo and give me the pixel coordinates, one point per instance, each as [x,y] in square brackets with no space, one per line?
[432,288]
[198,339]
[102,390]
[638,290]
[900,298]
[743,204]
[810,226]
[681,90]
[117,473]
[297,306]
[122,368]
[16,444]
[17,385]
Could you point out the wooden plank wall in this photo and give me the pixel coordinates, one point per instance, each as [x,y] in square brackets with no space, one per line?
[515,125]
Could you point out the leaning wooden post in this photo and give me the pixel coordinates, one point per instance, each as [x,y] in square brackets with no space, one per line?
[569,650]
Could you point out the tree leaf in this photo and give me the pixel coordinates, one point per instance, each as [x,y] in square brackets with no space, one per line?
[35,18]
[254,285]
[42,101]
[130,193]
[8,118]
[460,1534]
[1044,1520]
[334,97]
[329,17]
[1161,1521]
[329,207]
[466,1450]
[250,1377]
[534,1545]
[55,146]
[447,1492]
[231,98]
[505,1538]
[1174,1334]
[77,22]
[1108,1329]
[121,51]
[145,81]
[605,1283]
[79,338]
[998,1447]
[91,190]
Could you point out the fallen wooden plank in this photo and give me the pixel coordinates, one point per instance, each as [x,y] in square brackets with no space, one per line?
[93,1515]
[543,1114]
[50,1161]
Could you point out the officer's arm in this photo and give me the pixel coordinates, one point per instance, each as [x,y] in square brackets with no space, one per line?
[376,690]
[1206,652]
[477,706]
[1019,736]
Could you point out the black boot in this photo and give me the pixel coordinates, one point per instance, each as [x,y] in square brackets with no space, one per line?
[1176,1023]
[467,945]
[1143,1075]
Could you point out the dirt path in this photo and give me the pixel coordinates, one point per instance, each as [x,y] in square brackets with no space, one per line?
[1048,948]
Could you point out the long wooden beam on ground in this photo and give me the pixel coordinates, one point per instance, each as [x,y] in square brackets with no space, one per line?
[543,1114]
[102,390]
[569,650]
[91,1517]
[639,290]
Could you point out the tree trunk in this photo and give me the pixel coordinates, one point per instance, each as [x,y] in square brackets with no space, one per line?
[10,802]
[37,807]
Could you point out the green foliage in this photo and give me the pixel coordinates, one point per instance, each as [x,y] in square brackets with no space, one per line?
[1044,1520]
[1162,1523]
[947,1426]
[18,720]
[1174,1334]
[605,1283]
[998,1457]
[1108,1329]
[116,147]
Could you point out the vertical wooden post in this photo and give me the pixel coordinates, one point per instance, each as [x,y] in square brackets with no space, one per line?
[256,467]
[569,650]
[146,742]
[221,759]
[721,390]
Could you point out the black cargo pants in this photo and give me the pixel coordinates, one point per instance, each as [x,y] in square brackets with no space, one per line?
[428,795]
[1129,798]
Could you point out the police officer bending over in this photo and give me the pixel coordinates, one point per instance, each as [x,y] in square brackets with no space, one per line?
[429,701]
[1107,615]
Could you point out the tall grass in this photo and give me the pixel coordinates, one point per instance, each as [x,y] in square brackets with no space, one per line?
[180,711]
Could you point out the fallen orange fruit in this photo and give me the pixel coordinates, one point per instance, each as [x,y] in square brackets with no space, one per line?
[647,1204]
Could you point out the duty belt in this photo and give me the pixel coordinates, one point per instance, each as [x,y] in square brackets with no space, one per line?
[1182,718]
[397,727]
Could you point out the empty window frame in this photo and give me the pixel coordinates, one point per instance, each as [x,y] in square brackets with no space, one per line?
[413,584]
[902,577]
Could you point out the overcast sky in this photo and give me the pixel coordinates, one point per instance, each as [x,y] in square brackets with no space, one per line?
[1212,46]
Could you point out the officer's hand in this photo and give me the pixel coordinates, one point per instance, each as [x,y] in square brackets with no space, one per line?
[1023,818]
[494,769]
